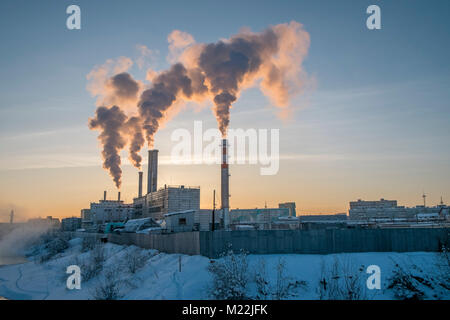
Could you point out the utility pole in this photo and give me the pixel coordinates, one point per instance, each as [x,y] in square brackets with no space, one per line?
[11,217]
[214,209]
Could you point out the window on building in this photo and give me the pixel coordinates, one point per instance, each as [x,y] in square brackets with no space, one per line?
[182,221]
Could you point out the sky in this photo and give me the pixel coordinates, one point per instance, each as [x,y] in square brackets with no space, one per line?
[375,124]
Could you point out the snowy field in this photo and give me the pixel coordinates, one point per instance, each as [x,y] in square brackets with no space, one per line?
[134,273]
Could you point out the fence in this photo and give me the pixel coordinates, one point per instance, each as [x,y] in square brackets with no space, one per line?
[212,244]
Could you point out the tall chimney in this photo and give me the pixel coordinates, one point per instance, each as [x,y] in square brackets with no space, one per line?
[118,196]
[140,184]
[104,195]
[224,186]
[155,171]
[152,178]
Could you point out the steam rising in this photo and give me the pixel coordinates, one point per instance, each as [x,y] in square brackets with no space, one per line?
[215,72]
[110,122]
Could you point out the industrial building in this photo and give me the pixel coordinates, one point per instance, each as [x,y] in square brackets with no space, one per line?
[158,202]
[70,224]
[263,219]
[193,220]
[108,211]
[290,206]
[166,200]
[178,207]
[388,210]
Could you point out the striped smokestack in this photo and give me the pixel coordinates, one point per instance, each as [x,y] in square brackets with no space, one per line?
[152,177]
[140,184]
[224,185]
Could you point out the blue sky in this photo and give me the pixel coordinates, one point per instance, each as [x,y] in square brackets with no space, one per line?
[380,110]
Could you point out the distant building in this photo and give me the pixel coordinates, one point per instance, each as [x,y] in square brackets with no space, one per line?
[338,217]
[167,200]
[49,220]
[388,210]
[262,218]
[290,206]
[381,204]
[70,224]
[87,219]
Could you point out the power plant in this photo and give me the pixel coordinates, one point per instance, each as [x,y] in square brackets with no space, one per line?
[168,201]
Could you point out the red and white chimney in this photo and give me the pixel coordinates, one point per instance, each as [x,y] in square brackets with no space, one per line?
[224,184]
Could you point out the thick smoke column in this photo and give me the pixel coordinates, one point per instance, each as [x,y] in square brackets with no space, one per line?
[155,101]
[217,71]
[133,128]
[110,122]
[225,65]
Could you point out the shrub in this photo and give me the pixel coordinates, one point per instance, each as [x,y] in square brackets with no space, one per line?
[342,282]
[262,285]
[93,265]
[88,243]
[405,285]
[53,246]
[135,260]
[285,286]
[109,287]
[229,276]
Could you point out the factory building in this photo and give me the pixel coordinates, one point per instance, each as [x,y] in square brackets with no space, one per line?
[290,206]
[262,219]
[70,224]
[166,200]
[87,219]
[109,211]
[158,202]
[193,220]
[388,210]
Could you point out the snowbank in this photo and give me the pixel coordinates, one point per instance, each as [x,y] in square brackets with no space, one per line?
[159,276]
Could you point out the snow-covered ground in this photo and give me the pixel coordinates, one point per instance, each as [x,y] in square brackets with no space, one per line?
[159,277]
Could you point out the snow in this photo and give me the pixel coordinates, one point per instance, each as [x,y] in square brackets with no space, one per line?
[160,278]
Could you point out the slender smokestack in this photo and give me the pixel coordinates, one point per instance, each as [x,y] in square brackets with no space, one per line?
[152,177]
[104,195]
[224,186]
[118,196]
[140,184]
[155,171]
